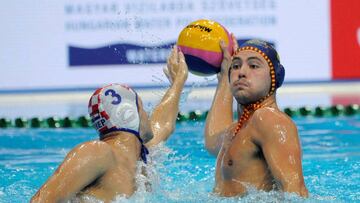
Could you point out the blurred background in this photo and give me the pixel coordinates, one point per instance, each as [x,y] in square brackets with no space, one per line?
[54,54]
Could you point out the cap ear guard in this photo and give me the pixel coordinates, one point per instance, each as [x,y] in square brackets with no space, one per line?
[279,75]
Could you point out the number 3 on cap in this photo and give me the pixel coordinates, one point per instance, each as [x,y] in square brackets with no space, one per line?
[117,98]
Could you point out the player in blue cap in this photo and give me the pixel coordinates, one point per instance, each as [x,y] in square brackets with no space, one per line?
[262,149]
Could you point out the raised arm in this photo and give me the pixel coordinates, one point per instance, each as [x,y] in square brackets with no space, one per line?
[81,166]
[280,144]
[163,118]
[220,115]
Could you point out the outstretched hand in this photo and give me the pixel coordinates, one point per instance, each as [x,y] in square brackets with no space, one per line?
[176,69]
[226,62]
[164,115]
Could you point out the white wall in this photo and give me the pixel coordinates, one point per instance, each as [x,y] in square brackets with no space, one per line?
[35,36]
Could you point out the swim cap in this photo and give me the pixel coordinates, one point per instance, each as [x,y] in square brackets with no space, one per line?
[115,108]
[270,55]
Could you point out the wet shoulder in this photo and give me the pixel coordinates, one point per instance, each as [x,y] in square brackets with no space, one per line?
[269,115]
[95,148]
[268,119]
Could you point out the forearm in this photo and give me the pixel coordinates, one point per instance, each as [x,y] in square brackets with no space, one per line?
[47,194]
[163,118]
[55,190]
[220,116]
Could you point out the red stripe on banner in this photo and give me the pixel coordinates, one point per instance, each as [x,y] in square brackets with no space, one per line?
[345,99]
[345,39]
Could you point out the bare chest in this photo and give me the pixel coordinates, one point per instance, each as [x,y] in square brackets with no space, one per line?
[235,155]
[241,162]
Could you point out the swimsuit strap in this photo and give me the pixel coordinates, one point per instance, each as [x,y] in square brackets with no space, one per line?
[144,150]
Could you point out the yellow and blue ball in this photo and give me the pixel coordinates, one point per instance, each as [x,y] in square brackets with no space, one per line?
[200,43]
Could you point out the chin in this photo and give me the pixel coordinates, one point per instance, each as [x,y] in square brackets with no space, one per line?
[241,98]
[245,99]
[244,102]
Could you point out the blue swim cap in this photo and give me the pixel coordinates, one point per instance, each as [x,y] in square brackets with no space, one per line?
[270,55]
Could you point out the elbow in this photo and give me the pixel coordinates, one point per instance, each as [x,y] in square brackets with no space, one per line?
[304,192]
[164,132]
[212,143]
[210,147]
[296,187]
[168,130]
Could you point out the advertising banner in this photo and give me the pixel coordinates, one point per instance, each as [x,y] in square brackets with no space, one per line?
[81,44]
[345,39]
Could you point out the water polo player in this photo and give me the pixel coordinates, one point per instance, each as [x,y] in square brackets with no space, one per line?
[262,149]
[106,168]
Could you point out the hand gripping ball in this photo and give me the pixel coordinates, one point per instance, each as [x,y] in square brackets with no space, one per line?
[200,43]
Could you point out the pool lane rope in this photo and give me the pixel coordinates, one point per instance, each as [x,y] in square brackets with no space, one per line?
[84,121]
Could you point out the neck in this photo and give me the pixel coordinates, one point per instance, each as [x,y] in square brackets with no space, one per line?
[124,143]
[247,110]
[269,101]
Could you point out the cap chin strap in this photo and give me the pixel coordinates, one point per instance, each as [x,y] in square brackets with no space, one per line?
[248,110]
[144,150]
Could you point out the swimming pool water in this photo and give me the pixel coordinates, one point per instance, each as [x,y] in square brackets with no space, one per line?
[182,171]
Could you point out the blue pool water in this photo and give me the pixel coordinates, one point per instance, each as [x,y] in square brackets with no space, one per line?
[182,170]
